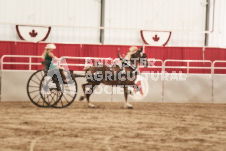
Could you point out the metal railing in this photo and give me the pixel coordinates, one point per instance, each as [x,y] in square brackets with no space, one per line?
[213,73]
[29,63]
[163,64]
[187,67]
[188,64]
[87,60]
[152,62]
[219,68]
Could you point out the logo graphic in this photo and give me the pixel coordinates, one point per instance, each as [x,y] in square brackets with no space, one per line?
[142,83]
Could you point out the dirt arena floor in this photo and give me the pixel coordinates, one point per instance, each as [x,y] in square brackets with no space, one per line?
[149,126]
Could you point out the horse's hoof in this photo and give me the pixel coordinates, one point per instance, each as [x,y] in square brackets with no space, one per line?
[129,107]
[91,106]
[81,98]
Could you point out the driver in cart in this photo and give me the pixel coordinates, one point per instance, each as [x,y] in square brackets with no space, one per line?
[49,58]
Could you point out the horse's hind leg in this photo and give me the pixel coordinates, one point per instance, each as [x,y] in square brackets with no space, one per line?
[88,90]
[84,91]
[127,105]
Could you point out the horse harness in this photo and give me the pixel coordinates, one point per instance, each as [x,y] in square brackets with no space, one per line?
[122,71]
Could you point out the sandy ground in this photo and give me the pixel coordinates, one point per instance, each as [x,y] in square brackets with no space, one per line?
[149,126]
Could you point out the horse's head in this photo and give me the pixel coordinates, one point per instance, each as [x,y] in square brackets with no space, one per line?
[140,56]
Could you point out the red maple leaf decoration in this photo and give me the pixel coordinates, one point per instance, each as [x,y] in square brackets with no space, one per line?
[156,38]
[33,33]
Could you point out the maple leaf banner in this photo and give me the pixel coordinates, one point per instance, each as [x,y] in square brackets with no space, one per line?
[33,33]
[154,38]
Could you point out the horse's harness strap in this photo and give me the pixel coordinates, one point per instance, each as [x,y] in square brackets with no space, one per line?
[128,63]
[123,73]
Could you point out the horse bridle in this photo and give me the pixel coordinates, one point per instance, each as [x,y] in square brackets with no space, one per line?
[128,62]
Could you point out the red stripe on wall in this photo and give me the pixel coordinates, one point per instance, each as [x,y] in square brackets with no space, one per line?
[105,51]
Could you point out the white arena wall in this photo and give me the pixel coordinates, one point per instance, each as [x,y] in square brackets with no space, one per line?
[192,88]
[79,21]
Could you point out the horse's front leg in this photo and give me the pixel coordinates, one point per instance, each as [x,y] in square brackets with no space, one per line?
[127,105]
[88,90]
[84,91]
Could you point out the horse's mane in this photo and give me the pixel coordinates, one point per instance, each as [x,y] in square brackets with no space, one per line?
[132,50]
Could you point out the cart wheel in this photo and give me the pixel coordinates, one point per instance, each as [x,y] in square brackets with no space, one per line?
[70,91]
[50,90]
[33,88]
[55,93]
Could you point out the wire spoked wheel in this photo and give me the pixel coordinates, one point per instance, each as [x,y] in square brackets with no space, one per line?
[50,90]
[69,94]
[33,88]
[58,94]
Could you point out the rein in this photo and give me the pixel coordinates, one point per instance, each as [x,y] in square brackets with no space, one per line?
[127,63]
